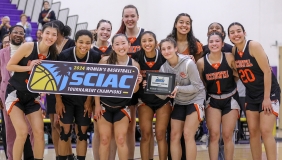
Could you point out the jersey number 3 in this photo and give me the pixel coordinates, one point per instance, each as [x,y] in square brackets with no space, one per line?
[247,76]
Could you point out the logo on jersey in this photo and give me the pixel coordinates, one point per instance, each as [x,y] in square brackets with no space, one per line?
[217,75]
[103,49]
[83,79]
[243,63]
[132,39]
[240,53]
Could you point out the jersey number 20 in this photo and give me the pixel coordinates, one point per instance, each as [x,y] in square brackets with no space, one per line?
[247,75]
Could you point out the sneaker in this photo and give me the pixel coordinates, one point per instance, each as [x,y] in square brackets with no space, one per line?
[204,138]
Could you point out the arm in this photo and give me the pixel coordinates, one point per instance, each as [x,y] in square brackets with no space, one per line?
[24,51]
[195,79]
[88,106]
[231,62]
[258,53]
[139,77]
[60,107]
[200,66]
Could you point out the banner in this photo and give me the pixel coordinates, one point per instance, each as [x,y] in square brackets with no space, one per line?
[59,77]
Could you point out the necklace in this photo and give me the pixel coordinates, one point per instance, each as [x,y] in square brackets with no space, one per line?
[76,58]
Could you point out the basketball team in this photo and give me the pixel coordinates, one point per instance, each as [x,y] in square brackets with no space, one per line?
[205,86]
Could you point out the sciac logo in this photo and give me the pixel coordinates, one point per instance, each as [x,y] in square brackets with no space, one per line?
[159,79]
[50,77]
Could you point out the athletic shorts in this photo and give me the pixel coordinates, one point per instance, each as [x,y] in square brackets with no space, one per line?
[155,107]
[258,107]
[113,115]
[180,112]
[51,103]
[75,111]
[224,105]
[134,99]
[26,101]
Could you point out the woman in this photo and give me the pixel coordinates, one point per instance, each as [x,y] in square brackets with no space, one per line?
[62,44]
[38,36]
[215,26]
[107,112]
[73,107]
[5,41]
[182,33]
[151,59]
[19,100]
[27,26]
[189,96]
[262,91]
[222,100]
[46,15]
[130,17]
[104,48]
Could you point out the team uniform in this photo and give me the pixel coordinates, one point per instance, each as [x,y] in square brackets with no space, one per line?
[50,98]
[17,93]
[74,105]
[253,78]
[221,87]
[135,47]
[152,65]
[115,108]
[104,50]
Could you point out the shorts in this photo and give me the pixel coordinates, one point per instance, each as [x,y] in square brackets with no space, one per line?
[113,115]
[155,107]
[224,105]
[134,99]
[258,107]
[51,103]
[180,112]
[26,101]
[74,106]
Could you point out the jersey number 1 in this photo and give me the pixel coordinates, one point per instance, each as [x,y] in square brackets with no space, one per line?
[218,87]
[247,75]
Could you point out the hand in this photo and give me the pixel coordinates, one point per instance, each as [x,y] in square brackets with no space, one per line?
[139,78]
[87,109]
[34,62]
[144,83]
[173,93]
[98,111]
[266,106]
[60,109]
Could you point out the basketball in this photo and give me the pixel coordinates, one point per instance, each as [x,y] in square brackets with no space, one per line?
[43,80]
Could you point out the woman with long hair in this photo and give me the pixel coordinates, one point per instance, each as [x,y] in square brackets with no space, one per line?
[113,112]
[151,59]
[182,33]
[223,107]
[262,91]
[19,100]
[189,97]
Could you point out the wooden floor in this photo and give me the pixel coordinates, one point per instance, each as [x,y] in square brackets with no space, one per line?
[242,152]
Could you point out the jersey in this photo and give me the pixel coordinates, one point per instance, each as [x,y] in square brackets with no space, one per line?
[135,43]
[218,76]
[110,101]
[104,50]
[152,65]
[20,79]
[253,77]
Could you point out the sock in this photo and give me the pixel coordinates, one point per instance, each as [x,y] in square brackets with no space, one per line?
[57,158]
[37,159]
[71,157]
[80,157]
[63,157]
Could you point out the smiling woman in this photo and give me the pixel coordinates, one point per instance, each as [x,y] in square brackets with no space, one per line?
[19,100]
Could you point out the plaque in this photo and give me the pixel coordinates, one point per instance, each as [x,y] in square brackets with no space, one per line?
[159,83]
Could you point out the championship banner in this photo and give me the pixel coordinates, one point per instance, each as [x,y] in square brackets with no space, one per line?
[88,79]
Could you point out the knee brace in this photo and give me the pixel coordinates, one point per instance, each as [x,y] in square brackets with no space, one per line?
[81,136]
[63,136]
